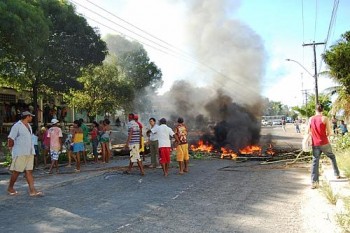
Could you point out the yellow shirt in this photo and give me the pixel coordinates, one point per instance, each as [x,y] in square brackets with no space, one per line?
[78,137]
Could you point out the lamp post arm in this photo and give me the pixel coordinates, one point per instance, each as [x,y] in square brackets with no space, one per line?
[301,66]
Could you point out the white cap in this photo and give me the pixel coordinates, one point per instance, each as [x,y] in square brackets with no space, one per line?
[54,121]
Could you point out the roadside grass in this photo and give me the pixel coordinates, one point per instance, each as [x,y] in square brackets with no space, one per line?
[343,219]
[343,160]
[328,192]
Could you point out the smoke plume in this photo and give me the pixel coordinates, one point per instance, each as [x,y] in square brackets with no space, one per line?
[234,58]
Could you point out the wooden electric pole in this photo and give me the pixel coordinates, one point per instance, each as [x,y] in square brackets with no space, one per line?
[315,75]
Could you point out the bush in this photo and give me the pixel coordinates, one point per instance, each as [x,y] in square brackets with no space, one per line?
[7,153]
[343,161]
[328,192]
[342,142]
[343,219]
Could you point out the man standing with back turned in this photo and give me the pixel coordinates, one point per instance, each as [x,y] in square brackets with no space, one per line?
[320,129]
[22,150]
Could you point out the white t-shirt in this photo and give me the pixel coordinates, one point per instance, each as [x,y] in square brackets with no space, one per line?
[22,136]
[163,133]
[153,136]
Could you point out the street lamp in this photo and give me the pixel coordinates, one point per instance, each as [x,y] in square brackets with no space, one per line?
[315,77]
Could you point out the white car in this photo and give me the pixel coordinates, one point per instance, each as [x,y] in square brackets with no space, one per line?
[265,123]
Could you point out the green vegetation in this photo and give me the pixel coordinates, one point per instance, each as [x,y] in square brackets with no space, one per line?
[328,192]
[343,160]
[343,219]
[49,49]
[7,153]
[342,150]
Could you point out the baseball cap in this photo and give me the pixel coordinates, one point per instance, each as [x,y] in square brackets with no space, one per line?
[54,121]
[26,113]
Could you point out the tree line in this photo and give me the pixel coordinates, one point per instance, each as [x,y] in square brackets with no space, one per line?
[47,48]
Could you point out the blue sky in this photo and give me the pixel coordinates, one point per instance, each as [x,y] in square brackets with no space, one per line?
[283,29]
[278,23]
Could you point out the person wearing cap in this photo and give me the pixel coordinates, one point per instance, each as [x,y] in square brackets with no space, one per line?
[164,133]
[182,155]
[22,149]
[55,135]
[133,144]
[319,128]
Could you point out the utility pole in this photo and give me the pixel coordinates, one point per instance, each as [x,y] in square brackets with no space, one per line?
[316,84]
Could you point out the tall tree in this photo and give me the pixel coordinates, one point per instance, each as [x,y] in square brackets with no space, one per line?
[308,109]
[338,59]
[144,76]
[104,90]
[70,45]
[24,33]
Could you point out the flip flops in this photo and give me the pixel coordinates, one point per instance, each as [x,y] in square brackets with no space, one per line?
[37,194]
[12,193]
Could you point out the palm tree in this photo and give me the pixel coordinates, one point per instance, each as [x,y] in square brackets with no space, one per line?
[342,102]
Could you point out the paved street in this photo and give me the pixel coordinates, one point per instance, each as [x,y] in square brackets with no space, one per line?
[215,196]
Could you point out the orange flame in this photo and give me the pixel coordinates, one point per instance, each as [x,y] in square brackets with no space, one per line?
[270,150]
[202,147]
[228,153]
[250,150]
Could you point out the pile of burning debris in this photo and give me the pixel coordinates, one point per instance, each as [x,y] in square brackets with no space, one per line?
[253,152]
[268,154]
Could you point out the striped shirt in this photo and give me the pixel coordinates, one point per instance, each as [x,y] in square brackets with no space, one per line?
[134,129]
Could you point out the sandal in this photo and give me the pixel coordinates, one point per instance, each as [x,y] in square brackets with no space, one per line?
[37,194]
[14,193]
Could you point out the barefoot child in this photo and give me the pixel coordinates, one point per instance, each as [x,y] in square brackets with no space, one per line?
[55,135]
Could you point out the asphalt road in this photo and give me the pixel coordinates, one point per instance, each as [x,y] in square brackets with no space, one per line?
[215,196]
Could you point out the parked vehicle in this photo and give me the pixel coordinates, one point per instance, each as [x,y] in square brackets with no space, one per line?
[266,123]
[277,122]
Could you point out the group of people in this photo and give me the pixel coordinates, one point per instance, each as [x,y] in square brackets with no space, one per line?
[342,128]
[79,136]
[23,144]
[159,140]
[23,147]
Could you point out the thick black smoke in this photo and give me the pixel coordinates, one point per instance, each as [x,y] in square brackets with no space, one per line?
[236,126]
[214,116]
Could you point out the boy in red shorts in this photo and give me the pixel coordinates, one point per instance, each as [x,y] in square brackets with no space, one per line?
[163,132]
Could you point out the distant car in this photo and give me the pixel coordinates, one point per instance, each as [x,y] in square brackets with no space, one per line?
[265,123]
[277,122]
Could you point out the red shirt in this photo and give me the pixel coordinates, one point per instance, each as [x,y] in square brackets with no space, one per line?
[94,133]
[318,131]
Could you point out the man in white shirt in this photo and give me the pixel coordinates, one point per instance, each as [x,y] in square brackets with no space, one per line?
[153,143]
[164,133]
[22,150]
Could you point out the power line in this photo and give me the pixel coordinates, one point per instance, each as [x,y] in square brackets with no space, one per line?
[316,20]
[302,19]
[331,26]
[129,30]
[138,28]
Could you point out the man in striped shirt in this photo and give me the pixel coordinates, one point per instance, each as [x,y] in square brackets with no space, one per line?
[133,144]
